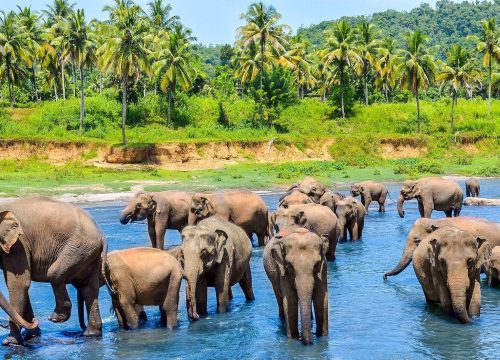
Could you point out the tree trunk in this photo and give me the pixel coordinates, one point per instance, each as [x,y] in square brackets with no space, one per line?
[35,89]
[418,108]
[63,81]
[74,78]
[124,103]
[100,82]
[169,108]
[342,91]
[56,96]
[262,48]
[82,97]
[453,102]
[489,86]
[365,75]
[386,95]
[9,82]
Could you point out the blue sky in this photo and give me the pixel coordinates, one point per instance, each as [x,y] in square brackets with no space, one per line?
[215,21]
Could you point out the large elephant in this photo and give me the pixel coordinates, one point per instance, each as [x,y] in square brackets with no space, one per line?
[447,265]
[313,217]
[294,198]
[243,208]
[50,241]
[294,261]
[163,210]
[472,187]
[132,284]
[493,268]
[370,191]
[309,186]
[330,199]
[432,194]
[215,253]
[424,227]
[351,218]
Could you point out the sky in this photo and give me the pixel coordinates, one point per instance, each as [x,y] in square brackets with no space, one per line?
[215,21]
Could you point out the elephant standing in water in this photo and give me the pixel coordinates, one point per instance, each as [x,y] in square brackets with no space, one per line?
[370,191]
[432,194]
[143,276]
[214,253]
[351,218]
[294,261]
[423,228]
[243,208]
[492,268]
[330,199]
[447,265]
[472,187]
[45,240]
[294,198]
[164,210]
[308,186]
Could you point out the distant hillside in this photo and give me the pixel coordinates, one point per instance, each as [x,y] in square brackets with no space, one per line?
[449,22]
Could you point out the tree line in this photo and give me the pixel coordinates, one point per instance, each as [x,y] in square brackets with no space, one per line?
[58,53]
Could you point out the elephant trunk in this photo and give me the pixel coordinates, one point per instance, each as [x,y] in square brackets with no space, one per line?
[458,301]
[401,200]
[126,216]
[341,226]
[192,219]
[305,297]
[14,315]
[403,262]
[191,281]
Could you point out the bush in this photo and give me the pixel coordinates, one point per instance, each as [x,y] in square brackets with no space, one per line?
[430,166]
[355,150]
[295,170]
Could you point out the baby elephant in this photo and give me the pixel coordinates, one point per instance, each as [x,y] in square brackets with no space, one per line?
[215,253]
[370,191]
[447,265]
[295,264]
[493,268]
[143,276]
[351,216]
[472,187]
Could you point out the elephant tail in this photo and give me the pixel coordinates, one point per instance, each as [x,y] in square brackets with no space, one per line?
[105,272]
[81,315]
[389,194]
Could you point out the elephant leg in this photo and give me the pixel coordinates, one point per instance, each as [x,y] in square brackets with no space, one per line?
[161,230]
[367,202]
[90,293]
[421,209]
[119,313]
[427,209]
[279,300]
[171,304]
[201,296]
[448,213]
[354,230]
[62,312]
[130,314]
[29,314]
[475,302]
[246,285]
[320,301]
[152,232]
[261,239]
[332,247]
[141,313]
[291,310]
[467,191]
[381,203]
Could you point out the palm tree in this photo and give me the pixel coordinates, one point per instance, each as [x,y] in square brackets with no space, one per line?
[82,49]
[159,15]
[340,51]
[460,71]
[488,43]
[387,67]
[368,43]
[418,67]
[13,47]
[262,29]
[59,10]
[172,67]
[125,52]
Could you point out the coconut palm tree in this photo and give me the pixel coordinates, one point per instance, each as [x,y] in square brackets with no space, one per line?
[124,53]
[340,52]
[159,15]
[460,71]
[262,28]
[368,43]
[386,66]
[59,10]
[488,44]
[417,66]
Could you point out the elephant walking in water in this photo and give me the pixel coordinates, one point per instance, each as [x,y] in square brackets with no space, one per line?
[50,241]
[472,187]
[370,191]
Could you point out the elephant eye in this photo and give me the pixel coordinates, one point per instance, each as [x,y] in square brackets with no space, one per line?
[470,262]
[138,206]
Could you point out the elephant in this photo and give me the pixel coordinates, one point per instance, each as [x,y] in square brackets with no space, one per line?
[309,186]
[294,261]
[424,227]
[351,218]
[330,199]
[294,198]
[243,208]
[432,194]
[132,283]
[215,253]
[472,187]
[447,265]
[163,210]
[370,191]
[470,201]
[313,217]
[493,268]
[45,240]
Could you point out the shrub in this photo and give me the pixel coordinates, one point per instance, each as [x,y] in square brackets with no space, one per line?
[430,166]
[317,168]
[349,99]
[355,150]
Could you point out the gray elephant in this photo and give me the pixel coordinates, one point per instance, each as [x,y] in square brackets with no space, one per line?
[309,186]
[370,191]
[351,218]
[215,253]
[294,198]
[313,217]
[243,208]
[472,187]
[163,210]
[447,265]
[330,199]
[132,284]
[493,268]
[294,261]
[45,240]
[432,194]
[424,227]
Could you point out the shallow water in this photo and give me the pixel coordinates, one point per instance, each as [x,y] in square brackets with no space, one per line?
[369,318]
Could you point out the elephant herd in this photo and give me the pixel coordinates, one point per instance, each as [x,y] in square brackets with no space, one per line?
[45,240]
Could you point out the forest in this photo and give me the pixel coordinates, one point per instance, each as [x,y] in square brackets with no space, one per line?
[142,68]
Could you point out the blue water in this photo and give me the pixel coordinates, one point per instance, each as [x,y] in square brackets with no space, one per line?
[369,318]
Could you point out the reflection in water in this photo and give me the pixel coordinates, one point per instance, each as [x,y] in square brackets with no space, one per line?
[369,318]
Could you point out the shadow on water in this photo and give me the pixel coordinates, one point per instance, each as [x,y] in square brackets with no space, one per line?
[369,317]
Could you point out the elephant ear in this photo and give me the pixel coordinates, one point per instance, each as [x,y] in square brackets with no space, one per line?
[483,252]
[10,230]
[300,218]
[220,244]
[277,253]
[207,204]
[433,251]
[325,244]
[354,209]
[153,206]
